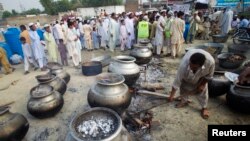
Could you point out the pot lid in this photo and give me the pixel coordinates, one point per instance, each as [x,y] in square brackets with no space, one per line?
[40,91]
[110,79]
[233,77]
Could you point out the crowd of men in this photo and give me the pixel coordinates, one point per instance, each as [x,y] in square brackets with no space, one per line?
[165,29]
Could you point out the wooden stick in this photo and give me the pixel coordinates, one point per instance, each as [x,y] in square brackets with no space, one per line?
[152,93]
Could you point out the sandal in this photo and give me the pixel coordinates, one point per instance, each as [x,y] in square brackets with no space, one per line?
[204,113]
[181,104]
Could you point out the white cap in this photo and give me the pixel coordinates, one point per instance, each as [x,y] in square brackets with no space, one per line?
[129,13]
[46,25]
[30,24]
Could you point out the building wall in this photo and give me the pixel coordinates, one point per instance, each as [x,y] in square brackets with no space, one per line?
[94,11]
[26,20]
[131,6]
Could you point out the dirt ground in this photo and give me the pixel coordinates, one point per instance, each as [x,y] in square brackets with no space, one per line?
[175,124]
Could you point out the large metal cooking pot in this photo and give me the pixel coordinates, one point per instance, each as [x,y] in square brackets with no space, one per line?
[110,92]
[57,83]
[44,101]
[220,38]
[212,48]
[13,126]
[218,85]
[143,55]
[238,98]
[98,114]
[91,68]
[57,69]
[225,63]
[243,49]
[125,65]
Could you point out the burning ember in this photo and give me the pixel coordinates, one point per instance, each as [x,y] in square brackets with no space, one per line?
[96,127]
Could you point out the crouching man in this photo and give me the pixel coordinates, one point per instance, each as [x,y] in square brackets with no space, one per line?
[196,68]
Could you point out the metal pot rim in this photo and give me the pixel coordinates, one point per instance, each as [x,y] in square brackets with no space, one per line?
[118,130]
[240,86]
[37,97]
[118,59]
[120,78]
[4,109]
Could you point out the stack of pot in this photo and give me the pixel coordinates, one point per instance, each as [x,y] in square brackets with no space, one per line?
[142,52]
[46,99]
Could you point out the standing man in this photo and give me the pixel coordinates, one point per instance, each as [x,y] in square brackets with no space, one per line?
[87,29]
[143,29]
[196,68]
[177,30]
[112,33]
[50,43]
[193,27]
[226,21]
[159,34]
[37,47]
[129,23]
[169,21]
[103,34]
[58,32]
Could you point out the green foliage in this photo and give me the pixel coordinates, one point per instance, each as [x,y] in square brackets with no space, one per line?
[97,3]
[32,11]
[14,13]
[6,14]
[52,7]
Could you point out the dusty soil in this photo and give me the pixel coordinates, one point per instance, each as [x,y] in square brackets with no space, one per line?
[175,124]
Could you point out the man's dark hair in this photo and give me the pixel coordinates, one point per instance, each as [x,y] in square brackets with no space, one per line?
[179,14]
[22,27]
[22,39]
[198,59]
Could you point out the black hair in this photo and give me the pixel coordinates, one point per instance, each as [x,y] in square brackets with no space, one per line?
[22,39]
[198,59]
[113,15]
[180,13]
[70,23]
[22,27]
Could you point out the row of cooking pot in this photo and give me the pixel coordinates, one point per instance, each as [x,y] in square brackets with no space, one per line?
[45,101]
[46,98]
[237,97]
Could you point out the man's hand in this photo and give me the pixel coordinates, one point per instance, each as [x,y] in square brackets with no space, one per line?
[172,93]
[201,88]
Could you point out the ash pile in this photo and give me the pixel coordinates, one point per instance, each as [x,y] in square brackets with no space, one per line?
[138,118]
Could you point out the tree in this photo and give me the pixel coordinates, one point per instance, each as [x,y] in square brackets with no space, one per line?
[14,13]
[6,14]
[48,6]
[33,11]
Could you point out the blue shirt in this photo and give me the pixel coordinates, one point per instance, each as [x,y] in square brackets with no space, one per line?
[244,23]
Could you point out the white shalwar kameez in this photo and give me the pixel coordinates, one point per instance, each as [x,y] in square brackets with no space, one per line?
[112,34]
[129,23]
[71,44]
[188,81]
[38,48]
